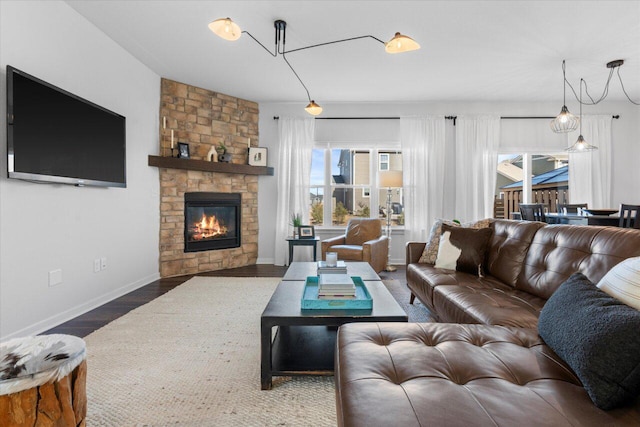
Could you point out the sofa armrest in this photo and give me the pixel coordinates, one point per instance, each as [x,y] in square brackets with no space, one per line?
[326,244]
[414,251]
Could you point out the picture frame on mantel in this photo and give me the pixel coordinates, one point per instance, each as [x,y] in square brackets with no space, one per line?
[183,150]
[257,156]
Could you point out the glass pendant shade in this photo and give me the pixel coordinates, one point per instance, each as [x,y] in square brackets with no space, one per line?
[401,43]
[565,122]
[226,28]
[313,108]
[581,145]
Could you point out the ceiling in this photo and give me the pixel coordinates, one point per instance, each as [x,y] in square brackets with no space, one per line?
[471,50]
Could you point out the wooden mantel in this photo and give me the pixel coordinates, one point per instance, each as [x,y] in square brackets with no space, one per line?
[205,166]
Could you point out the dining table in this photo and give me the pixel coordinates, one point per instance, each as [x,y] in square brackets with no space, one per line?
[585,219]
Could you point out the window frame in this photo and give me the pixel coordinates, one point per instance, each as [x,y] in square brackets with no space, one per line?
[374,169]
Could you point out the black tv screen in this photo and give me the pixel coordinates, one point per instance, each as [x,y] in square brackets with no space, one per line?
[55,136]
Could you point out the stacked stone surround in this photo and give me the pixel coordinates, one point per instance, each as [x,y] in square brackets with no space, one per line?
[203,118]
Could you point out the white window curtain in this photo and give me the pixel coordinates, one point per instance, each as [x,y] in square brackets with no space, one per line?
[293,170]
[590,172]
[477,142]
[423,162]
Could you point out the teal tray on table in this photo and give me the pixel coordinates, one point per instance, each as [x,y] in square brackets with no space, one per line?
[310,301]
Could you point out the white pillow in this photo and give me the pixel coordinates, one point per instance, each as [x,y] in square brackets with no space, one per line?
[448,254]
[623,282]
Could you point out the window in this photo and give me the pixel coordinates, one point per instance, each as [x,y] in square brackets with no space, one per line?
[549,181]
[350,177]
[383,163]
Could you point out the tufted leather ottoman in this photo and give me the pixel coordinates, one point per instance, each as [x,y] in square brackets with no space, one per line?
[438,374]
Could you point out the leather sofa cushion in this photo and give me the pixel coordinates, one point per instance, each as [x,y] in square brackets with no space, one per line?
[424,278]
[490,304]
[347,252]
[508,248]
[435,374]
[558,251]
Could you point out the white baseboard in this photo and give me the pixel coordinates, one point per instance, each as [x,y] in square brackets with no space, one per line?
[265,260]
[53,321]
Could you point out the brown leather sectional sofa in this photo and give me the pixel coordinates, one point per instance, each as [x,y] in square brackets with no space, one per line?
[467,371]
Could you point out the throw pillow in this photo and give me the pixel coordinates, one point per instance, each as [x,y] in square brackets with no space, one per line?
[623,282]
[430,252]
[463,249]
[597,336]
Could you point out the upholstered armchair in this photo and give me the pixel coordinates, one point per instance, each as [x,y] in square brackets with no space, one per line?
[362,241]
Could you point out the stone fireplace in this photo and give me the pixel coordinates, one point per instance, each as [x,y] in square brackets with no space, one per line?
[203,119]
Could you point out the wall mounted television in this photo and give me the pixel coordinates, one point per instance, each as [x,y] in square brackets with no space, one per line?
[55,136]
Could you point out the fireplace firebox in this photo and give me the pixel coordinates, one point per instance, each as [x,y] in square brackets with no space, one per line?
[211,221]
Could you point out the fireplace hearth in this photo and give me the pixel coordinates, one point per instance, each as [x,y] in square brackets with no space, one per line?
[211,221]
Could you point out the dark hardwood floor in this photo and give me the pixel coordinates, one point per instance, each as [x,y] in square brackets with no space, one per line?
[84,324]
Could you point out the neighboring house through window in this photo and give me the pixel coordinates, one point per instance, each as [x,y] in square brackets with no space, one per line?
[350,177]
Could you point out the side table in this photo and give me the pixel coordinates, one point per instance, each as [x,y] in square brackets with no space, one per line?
[303,242]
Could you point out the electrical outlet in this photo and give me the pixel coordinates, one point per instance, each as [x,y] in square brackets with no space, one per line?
[96,265]
[103,263]
[55,277]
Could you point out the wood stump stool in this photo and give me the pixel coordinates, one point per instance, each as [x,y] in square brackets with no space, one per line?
[43,381]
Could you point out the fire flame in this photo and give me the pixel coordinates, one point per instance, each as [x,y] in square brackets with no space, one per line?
[208,227]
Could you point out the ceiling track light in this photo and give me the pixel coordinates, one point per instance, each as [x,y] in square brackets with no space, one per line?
[581,145]
[229,30]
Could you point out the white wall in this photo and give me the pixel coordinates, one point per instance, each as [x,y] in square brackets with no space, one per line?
[626,148]
[44,227]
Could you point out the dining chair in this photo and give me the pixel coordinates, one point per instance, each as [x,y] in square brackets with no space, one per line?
[571,208]
[629,217]
[532,212]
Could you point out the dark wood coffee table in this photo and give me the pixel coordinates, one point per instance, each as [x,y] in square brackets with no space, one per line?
[304,342]
[300,271]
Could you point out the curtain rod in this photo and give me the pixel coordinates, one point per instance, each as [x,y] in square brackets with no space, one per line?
[617,116]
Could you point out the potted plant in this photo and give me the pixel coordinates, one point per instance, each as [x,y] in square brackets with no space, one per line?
[296,221]
[221,148]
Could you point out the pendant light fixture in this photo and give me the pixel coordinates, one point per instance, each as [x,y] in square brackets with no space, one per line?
[313,108]
[565,121]
[226,28]
[229,30]
[400,43]
[581,145]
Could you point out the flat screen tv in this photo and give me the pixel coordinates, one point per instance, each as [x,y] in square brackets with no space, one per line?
[55,136]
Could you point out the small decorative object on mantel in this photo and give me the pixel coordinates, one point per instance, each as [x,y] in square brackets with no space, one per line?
[257,156]
[173,146]
[221,148]
[212,155]
[183,150]
[222,153]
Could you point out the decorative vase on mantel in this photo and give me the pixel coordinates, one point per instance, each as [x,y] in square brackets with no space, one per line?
[212,155]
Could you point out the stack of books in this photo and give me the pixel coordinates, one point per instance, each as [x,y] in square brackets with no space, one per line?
[336,286]
[340,268]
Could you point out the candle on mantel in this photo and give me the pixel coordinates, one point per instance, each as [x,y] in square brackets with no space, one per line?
[248,142]
[172,139]
[164,122]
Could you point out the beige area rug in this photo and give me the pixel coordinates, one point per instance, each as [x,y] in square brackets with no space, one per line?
[192,358]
